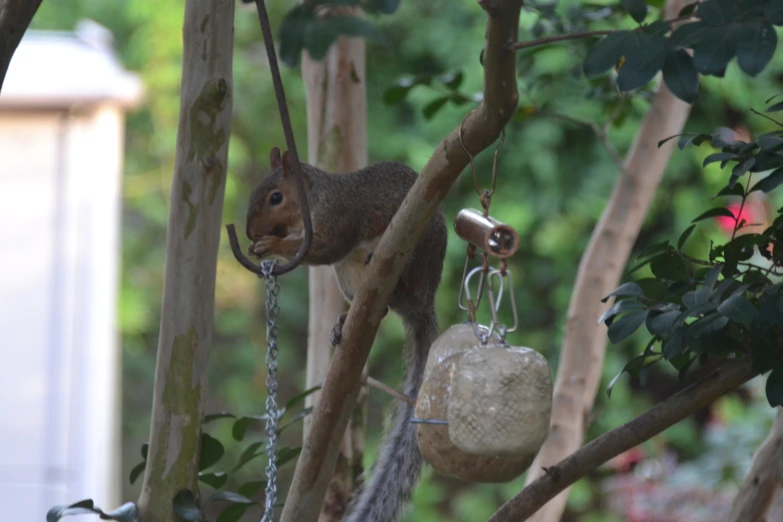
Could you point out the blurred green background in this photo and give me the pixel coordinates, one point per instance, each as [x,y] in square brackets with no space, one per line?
[554,179]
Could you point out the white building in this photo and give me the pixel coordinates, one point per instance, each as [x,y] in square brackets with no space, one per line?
[61,149]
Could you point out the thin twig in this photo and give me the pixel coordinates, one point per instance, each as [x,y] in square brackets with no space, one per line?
[770,118]
[515,46]
[378,385]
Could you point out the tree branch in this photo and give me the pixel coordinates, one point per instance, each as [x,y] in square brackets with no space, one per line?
[343,381]
[763,480]
[664,414]
[15,18]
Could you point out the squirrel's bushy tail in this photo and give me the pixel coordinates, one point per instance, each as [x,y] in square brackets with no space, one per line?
[398,465]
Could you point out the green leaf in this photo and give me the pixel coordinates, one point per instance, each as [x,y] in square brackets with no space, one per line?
[669,267]
[636,8]
[185,506]
[127,512]
[738,309]
[241,425]
[734,190]
[717,12]
[604,54]
[384,6]
[618,308]
[229,496]
[774,387]
[776,107]
[145,448]
[626,325]
[714,212]
[432,108]
[696,140]
[684,236]
[395,94]
[295,25]
[680,76]
[756,44]
[712,55]
[655,248]
[233,512]
[286,455]
[657,28]
[770,141]
[774,12]
[323,32]
[673,347]
[688,35]
[296,418]
[719,156]
[250,489]
[708,325]
[296,399]
[662,325]
[453,80]
[215,416]
[625,290]
[770,182]
[250,453]
[740,169]
[217,480]
[644,57]
[137,471]
[211,451]
[360,27]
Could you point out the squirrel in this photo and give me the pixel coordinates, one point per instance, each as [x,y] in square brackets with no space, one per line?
[350,211]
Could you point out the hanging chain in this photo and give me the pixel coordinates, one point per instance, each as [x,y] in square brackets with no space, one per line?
[272,413]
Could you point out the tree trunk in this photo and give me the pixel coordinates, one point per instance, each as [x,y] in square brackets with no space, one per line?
[764,479]
[15,18]
[602,265]
[337,142]
[191,256]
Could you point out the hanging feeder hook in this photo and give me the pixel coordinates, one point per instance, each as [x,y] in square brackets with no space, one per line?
[296,167]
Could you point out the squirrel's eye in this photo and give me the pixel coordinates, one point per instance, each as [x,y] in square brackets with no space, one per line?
[275,198]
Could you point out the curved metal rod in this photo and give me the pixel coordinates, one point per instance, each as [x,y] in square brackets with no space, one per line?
[296,167]
[240,256]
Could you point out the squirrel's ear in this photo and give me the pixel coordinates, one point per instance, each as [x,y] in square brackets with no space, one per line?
[286,161]
[274,158]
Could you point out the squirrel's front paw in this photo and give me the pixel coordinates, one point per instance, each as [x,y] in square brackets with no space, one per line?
[264,246]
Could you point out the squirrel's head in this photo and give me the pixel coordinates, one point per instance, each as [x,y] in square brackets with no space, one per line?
[274,203]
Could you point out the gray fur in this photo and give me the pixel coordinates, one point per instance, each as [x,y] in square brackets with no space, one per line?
[350,210]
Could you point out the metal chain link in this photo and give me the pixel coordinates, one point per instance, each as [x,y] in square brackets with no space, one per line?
[272,413]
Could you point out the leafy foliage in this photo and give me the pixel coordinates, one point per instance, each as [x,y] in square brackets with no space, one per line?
[727,304]
[212,451]
[314,26]
[722,30]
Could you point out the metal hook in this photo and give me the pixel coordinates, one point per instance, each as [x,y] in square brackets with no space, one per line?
[296,167]
[502,329]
